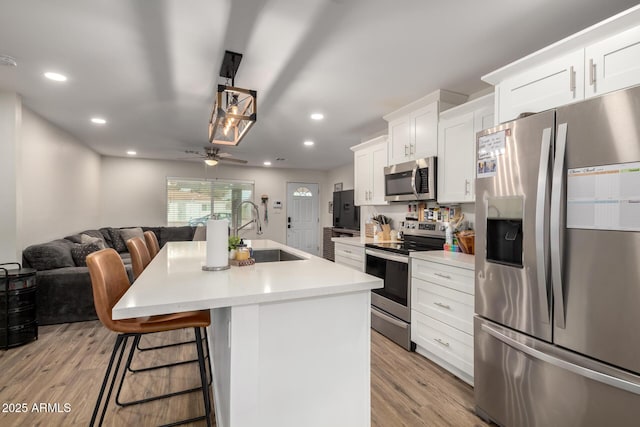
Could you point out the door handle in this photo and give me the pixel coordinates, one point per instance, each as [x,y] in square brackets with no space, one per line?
[592,72]
[406,147]
[556,227]
[288,225]
[540,236]
[289,219]
[445,276]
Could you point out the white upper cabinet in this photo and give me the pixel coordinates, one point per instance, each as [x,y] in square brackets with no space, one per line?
[600,59]
[457,148]
[548,85]
[413,129]
[613,63]
[370,159]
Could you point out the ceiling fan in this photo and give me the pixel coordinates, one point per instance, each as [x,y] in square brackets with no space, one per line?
[213,155]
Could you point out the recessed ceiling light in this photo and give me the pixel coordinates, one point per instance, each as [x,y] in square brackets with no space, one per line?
[131,153]
[317,116]
[98,120]
[56,77]
[308,143]
[267,163]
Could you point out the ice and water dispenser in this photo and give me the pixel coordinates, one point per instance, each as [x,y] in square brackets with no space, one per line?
[504,230]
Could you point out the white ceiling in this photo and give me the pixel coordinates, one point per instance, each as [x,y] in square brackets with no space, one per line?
[150,66]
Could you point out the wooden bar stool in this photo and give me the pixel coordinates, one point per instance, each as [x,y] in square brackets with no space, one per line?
[109,282]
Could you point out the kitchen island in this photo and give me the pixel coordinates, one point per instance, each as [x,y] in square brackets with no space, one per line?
[290,340]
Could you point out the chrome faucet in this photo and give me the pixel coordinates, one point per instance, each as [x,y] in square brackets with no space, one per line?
[254,212]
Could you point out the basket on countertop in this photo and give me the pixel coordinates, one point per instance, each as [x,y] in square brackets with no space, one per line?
[466,241]
[242,263]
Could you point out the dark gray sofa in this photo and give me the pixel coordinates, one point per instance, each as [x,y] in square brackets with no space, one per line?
[64,287]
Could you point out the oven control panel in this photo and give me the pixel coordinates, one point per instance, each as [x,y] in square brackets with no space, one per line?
[425,228]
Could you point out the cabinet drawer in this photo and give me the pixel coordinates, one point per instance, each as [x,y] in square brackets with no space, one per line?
[449,306]
[354,253]
[456,278]
[443,341]
[358,265]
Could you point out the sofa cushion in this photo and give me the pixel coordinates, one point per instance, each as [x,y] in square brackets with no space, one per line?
[80,251]
[130,233]
[50,255]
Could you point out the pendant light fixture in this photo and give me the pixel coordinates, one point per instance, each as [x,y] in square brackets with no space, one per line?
[234,109]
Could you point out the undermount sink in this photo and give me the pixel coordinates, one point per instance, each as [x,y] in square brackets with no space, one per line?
[274,255]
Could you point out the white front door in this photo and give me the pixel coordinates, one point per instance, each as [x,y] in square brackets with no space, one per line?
[302,217]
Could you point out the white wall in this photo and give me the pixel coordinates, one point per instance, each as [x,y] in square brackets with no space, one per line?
[60,182]
[134,190]
[10,118]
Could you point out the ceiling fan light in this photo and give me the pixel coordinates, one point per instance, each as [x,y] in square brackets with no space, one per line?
[211,162]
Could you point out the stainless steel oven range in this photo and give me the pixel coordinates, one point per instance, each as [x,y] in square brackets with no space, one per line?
[391,305]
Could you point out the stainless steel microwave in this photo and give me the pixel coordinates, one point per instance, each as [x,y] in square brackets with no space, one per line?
[415,180]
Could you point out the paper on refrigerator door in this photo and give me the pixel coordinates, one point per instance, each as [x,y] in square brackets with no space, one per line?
[604,197]
[489,148]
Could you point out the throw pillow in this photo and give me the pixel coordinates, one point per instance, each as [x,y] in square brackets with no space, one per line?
[130,233]
[116,241]
[85,238]
[80,252]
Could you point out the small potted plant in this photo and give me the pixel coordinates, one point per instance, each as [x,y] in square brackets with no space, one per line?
[234,242]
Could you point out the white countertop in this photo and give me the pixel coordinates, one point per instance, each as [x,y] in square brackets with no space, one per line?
[175,281]
[455,259]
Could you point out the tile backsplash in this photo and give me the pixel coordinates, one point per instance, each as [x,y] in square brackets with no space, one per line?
[397,212]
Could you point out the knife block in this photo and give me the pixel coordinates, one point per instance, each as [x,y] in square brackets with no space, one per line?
[386,231]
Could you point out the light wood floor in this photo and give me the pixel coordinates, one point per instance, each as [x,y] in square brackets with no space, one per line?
[66,365]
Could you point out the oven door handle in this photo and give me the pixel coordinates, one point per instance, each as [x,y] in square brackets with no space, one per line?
[387,256]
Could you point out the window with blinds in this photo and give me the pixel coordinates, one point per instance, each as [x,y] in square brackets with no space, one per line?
[193,201]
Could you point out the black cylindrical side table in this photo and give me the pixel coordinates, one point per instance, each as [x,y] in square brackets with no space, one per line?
[18,324]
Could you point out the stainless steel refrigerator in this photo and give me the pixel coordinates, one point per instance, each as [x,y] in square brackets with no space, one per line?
[557,289]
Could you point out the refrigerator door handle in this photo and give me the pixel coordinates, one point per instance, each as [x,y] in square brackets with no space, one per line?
[557,227]
[541,256]
[563,364]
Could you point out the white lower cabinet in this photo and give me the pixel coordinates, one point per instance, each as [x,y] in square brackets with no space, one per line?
[350,255]
[442,311]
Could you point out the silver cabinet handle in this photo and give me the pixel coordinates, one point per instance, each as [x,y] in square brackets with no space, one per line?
[445,276]
[347,251]
[406,148]
[592,72]
[572,79]
[467,184]
[556,227]
[439,304]
[540,237]
[412,148]
[446,344]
